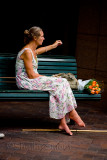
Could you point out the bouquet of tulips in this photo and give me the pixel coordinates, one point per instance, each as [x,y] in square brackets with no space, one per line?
[93,87]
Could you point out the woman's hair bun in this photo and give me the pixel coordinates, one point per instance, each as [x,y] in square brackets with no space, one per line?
[26,32]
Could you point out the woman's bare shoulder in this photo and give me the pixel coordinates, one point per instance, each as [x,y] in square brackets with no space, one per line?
[26,54]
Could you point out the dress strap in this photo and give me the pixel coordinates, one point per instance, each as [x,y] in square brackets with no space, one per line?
[24,50]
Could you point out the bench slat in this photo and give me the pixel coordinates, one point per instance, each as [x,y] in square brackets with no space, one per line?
[5,65]
[50,72]
[56,64]
[56,60]
[45,67]
[57,68]
[23,94]
[55,71]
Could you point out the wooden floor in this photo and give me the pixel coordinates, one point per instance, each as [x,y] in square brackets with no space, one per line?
[18,145]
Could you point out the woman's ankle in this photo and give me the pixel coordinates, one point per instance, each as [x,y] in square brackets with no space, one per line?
[64,126]
[74,116]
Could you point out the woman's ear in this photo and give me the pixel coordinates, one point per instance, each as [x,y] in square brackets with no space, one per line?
[35,38]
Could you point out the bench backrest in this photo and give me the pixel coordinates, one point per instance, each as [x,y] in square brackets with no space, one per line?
[48,65]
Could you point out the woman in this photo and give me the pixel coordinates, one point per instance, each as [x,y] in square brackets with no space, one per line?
[62,102]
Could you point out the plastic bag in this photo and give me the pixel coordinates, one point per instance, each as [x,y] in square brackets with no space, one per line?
[81,84]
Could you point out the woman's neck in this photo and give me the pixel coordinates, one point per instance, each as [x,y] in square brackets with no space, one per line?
[32,45]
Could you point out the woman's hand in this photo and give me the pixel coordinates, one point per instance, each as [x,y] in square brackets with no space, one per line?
[49,47]
[57,43]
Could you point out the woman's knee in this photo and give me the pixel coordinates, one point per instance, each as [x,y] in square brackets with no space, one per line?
[65,81]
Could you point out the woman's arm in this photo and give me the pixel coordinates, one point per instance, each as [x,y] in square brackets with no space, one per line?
[49,47]
[27,58]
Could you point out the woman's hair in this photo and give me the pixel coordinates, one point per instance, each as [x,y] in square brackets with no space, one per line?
[29,34]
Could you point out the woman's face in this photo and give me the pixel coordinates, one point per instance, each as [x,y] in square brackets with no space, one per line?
[40,39]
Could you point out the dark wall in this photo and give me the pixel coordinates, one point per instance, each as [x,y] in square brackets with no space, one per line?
[57,19]
[91,45]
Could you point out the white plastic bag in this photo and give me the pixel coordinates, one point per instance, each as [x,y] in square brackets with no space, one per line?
[82,84]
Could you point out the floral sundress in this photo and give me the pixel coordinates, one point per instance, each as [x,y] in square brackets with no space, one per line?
[61,100]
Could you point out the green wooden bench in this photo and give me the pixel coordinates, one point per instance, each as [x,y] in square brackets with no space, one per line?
[48,65]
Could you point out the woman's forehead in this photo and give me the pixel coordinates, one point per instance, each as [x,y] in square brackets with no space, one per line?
[41,33]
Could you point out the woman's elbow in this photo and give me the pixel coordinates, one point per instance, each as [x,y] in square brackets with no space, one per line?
[32,75]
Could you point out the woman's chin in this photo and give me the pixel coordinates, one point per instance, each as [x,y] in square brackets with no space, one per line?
[40,44]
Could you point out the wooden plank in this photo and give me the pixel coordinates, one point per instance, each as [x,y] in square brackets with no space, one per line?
[8,77]
[7,68]
[8,87]
[43,59]
[7,58]
[57,68]
[58,130]
[8,54]
[56,64]
[56,60]
[24,95]
[34,95]
[7,82]
[7,74]
[55,71]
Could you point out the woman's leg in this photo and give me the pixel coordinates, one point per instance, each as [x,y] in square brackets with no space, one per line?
[74,116]
[64,126]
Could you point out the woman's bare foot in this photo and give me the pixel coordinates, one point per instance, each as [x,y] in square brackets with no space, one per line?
[64,126]
[74,116]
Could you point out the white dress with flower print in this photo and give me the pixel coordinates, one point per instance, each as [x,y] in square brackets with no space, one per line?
[61,100]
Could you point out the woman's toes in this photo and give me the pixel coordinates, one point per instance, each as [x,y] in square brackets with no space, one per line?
[65,128]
